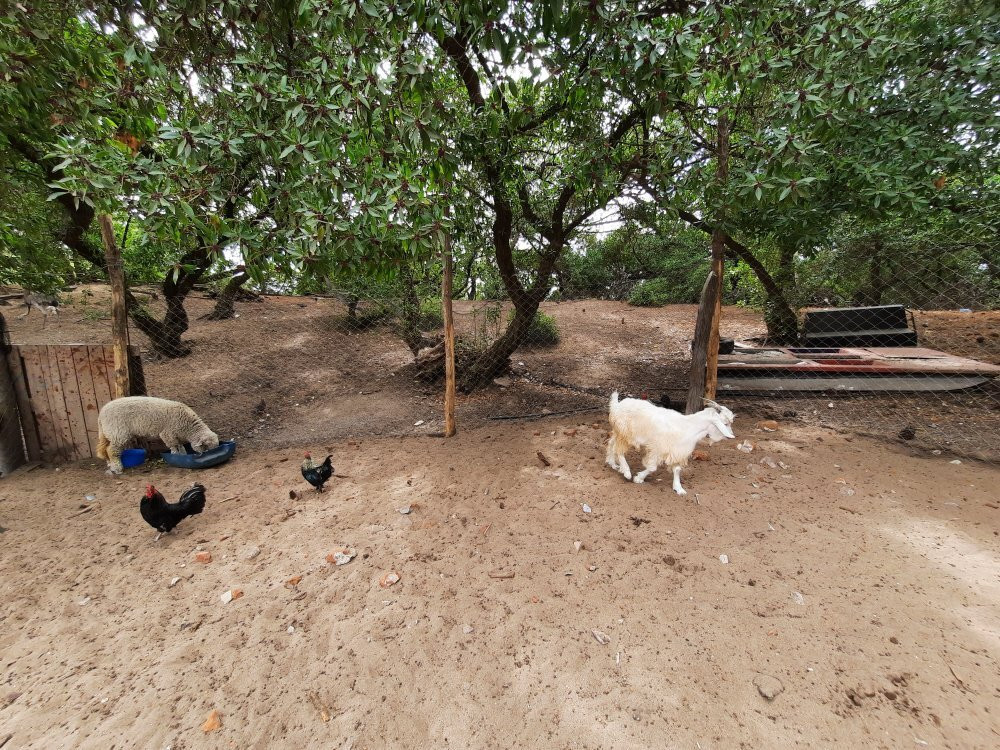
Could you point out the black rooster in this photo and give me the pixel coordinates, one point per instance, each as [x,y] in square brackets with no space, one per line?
[164,516]
[317,476]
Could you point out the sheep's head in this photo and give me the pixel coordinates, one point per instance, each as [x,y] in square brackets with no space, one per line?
[208,442]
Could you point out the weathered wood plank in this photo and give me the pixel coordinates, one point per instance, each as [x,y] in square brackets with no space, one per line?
[40,404]
[88,394]
[99,371]
[60,420]
[29,425]
[79,442]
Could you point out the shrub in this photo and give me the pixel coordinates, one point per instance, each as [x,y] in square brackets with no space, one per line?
[431,316]
[653,293]
[543,331]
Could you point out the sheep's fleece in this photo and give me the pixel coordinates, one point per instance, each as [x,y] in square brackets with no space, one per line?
[144,416]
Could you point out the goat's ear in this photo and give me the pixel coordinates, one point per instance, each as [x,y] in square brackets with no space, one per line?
[720,429]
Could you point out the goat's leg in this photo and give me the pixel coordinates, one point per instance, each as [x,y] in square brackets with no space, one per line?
[609,457]
[649,465]
[623,466]
[677,481]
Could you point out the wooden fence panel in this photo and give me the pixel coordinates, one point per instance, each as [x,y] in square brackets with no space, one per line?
[60,390]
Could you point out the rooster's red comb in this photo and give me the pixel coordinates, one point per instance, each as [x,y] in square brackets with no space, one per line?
[150,489]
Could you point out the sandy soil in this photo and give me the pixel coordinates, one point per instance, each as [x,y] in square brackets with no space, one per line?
[862,582]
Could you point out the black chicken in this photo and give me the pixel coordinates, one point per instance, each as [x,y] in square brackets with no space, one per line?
[317,476]
[164,516]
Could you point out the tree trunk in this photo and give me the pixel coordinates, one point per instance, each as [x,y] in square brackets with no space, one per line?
[495,360]
[225,305]
[164,335]
[409,319]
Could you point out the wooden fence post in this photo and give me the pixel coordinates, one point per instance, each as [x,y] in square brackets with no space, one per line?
[699,349]
[718,252]
[119,313]
[449,341]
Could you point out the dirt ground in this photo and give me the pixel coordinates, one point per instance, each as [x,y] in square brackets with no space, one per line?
[288,371]
[861,593]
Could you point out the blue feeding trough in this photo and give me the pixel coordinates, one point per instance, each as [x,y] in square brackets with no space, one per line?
[132,457]
[191,460]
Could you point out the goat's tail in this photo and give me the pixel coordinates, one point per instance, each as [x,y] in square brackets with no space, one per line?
[102,444]
[614,401]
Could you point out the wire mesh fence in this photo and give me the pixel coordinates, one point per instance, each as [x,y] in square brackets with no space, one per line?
[895,335]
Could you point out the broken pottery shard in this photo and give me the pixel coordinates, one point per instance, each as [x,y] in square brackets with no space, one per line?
[388,579]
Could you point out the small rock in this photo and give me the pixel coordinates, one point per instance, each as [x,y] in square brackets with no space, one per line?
[798,598]
[502,382]
[418,423]
[174,581]
[591,568]
[90,498]
[405,510]
[586,508]
[956,462]
[84,601]
[769,687]
[569,433]
[601,637]
[745,447]
[907,433]
[294,581]
[213,722]
[251,553]
[577,546]
[467,629]
[894,640]
[724,559]
[768,425]
[231,595]
[341,556]
[291,629]
[846,491]
[829,405]
[203,557]
[769,462]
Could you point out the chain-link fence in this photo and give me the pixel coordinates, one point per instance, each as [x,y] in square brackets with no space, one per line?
[895,334]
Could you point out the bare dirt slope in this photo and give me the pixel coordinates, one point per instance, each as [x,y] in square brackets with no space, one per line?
[862,592]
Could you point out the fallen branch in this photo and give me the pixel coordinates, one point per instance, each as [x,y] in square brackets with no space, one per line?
[549,413]
[543,459]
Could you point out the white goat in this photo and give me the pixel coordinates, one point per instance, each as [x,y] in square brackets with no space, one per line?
[144,416]
[668,437]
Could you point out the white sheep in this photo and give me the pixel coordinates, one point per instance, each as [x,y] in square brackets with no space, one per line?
[144,416]
[667,436]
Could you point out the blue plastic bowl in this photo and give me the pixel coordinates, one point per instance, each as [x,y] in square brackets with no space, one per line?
[192,460]
[132,457]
